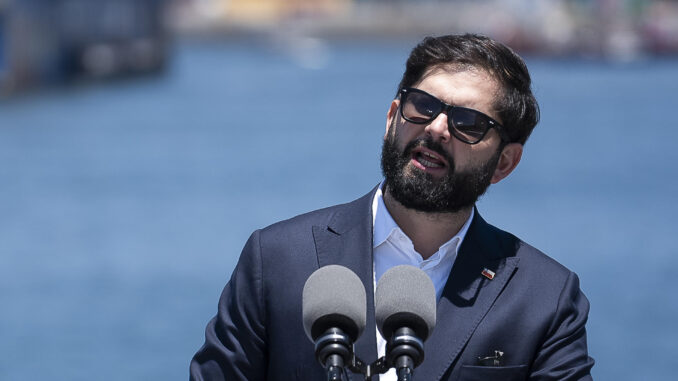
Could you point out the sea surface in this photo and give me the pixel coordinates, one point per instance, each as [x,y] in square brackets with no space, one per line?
[124,205]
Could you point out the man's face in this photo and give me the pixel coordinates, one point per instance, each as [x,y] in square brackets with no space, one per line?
[425,167]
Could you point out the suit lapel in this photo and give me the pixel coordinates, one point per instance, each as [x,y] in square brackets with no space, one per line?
[347,241]
[467,297]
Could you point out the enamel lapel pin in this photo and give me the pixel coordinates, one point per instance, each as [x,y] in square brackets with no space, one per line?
[487,273]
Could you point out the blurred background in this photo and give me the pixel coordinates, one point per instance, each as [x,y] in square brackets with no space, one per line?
[142,141]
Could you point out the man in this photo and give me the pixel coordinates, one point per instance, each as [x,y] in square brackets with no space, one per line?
[505,311]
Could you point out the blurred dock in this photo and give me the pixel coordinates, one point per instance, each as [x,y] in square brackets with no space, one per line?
[618,29]
[45,42]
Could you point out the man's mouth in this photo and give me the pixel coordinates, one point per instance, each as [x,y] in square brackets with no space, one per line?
[427,160]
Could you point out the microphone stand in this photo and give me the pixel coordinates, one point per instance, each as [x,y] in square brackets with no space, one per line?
[404,351]
[404,374]
[332,349]
[335,368]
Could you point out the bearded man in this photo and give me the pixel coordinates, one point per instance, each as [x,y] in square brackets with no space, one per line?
[462,113]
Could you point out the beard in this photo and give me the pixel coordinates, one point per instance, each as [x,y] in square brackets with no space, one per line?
[418,190]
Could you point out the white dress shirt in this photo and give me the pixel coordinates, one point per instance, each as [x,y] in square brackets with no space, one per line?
[392,248]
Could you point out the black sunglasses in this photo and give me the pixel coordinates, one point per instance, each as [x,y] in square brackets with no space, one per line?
[465,124]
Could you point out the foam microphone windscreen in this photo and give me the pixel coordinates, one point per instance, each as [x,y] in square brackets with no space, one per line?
[405,297]
[334,297]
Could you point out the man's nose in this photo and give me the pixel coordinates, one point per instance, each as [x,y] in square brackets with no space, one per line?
[438,128]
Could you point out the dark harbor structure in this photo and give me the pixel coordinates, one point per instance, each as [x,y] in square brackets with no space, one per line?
[44,42]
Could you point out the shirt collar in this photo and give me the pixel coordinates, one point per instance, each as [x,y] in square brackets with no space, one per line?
[382,222]
[384,225]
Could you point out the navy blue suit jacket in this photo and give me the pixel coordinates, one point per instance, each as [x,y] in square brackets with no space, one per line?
[532,310]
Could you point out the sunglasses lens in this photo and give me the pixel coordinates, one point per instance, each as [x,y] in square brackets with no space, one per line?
[468,124]
[420,108]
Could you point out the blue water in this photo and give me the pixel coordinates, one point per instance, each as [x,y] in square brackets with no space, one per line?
[124,206]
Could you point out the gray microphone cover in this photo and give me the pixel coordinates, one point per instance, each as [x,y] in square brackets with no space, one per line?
[334,297]
[405,297]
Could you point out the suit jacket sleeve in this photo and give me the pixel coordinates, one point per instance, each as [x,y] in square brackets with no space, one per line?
[564,355]
[235,339]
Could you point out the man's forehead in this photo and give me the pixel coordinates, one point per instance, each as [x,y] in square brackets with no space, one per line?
[444,82]
[453,68]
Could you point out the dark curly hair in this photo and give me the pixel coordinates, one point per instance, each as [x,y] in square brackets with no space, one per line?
[515,105]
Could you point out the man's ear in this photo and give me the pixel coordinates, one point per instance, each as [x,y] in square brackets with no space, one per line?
[508,161]
[391,114]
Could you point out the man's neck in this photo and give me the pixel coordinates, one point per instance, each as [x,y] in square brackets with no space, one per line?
[428,231]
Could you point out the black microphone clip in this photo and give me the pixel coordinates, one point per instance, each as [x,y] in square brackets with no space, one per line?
[368,370]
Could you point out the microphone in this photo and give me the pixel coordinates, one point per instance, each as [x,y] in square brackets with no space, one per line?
[406,315]
[334,314]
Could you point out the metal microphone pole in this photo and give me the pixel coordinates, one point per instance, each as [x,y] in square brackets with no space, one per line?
[405,351]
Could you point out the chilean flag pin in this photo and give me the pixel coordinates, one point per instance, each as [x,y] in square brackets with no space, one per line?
[487,273]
